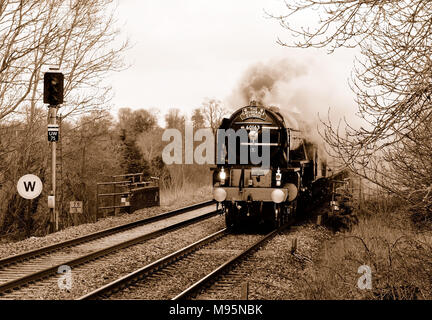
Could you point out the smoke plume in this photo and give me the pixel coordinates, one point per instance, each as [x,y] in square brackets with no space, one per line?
[303,91]
[261,81]
[275,84]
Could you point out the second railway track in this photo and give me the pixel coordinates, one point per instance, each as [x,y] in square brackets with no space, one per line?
[29,267]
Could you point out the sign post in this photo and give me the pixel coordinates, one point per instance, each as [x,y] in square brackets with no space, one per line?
[75,208]
[53,95]
[53,120]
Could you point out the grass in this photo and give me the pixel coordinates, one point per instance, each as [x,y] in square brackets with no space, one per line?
[400,258]
[186,194]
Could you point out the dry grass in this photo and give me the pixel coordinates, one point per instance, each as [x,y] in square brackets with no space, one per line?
[400,258]
[186,194]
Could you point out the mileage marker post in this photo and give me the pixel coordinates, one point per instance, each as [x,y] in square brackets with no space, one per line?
[53,133]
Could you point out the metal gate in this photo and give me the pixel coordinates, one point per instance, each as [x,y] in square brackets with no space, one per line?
[126,192]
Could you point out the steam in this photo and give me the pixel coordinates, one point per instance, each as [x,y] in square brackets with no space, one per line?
[275,83]
[302,90]
[261,81]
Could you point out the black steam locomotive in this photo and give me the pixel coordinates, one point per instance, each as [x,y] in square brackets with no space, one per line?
[264,193]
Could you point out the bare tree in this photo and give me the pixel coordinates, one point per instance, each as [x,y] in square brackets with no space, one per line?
[391,79]
[132,123]
[75,35]
[197,119]
[174,119]
[213,113]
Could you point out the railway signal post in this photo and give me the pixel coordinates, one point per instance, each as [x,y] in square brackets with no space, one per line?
[53,96]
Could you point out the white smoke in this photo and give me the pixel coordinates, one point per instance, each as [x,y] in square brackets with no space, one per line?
[304,91]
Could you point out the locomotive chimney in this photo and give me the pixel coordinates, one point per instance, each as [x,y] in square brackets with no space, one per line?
[255,103]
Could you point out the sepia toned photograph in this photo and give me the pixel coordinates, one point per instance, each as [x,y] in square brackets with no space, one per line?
[212,159]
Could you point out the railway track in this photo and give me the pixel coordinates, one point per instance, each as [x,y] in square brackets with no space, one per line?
[184,273]
[27,268]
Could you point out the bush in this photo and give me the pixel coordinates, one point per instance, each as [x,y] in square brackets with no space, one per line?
[400,258]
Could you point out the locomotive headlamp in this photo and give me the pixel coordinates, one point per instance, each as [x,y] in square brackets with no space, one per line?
[278,177]
[222,174]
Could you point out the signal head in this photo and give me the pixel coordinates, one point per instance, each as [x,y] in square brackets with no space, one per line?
[53,88]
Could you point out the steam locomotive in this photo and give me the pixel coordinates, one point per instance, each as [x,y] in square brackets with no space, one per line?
[264,193]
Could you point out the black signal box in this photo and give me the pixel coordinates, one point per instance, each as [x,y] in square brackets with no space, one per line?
[53,88]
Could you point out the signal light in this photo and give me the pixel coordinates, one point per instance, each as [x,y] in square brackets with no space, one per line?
[53,88]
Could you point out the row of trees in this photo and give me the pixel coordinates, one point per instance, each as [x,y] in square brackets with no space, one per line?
[94,147]
[102,147]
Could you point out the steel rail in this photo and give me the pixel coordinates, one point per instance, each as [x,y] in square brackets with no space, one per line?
[16,283]
[97,235]
[209,278]
[137,275]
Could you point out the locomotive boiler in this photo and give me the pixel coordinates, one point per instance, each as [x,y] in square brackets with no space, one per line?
[268,191]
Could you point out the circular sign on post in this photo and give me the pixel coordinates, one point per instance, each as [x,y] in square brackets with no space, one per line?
[29,186]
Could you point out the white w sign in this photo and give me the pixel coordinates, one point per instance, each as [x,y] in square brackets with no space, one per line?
[29,186]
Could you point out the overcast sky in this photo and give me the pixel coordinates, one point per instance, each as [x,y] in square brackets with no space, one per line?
[186,50]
